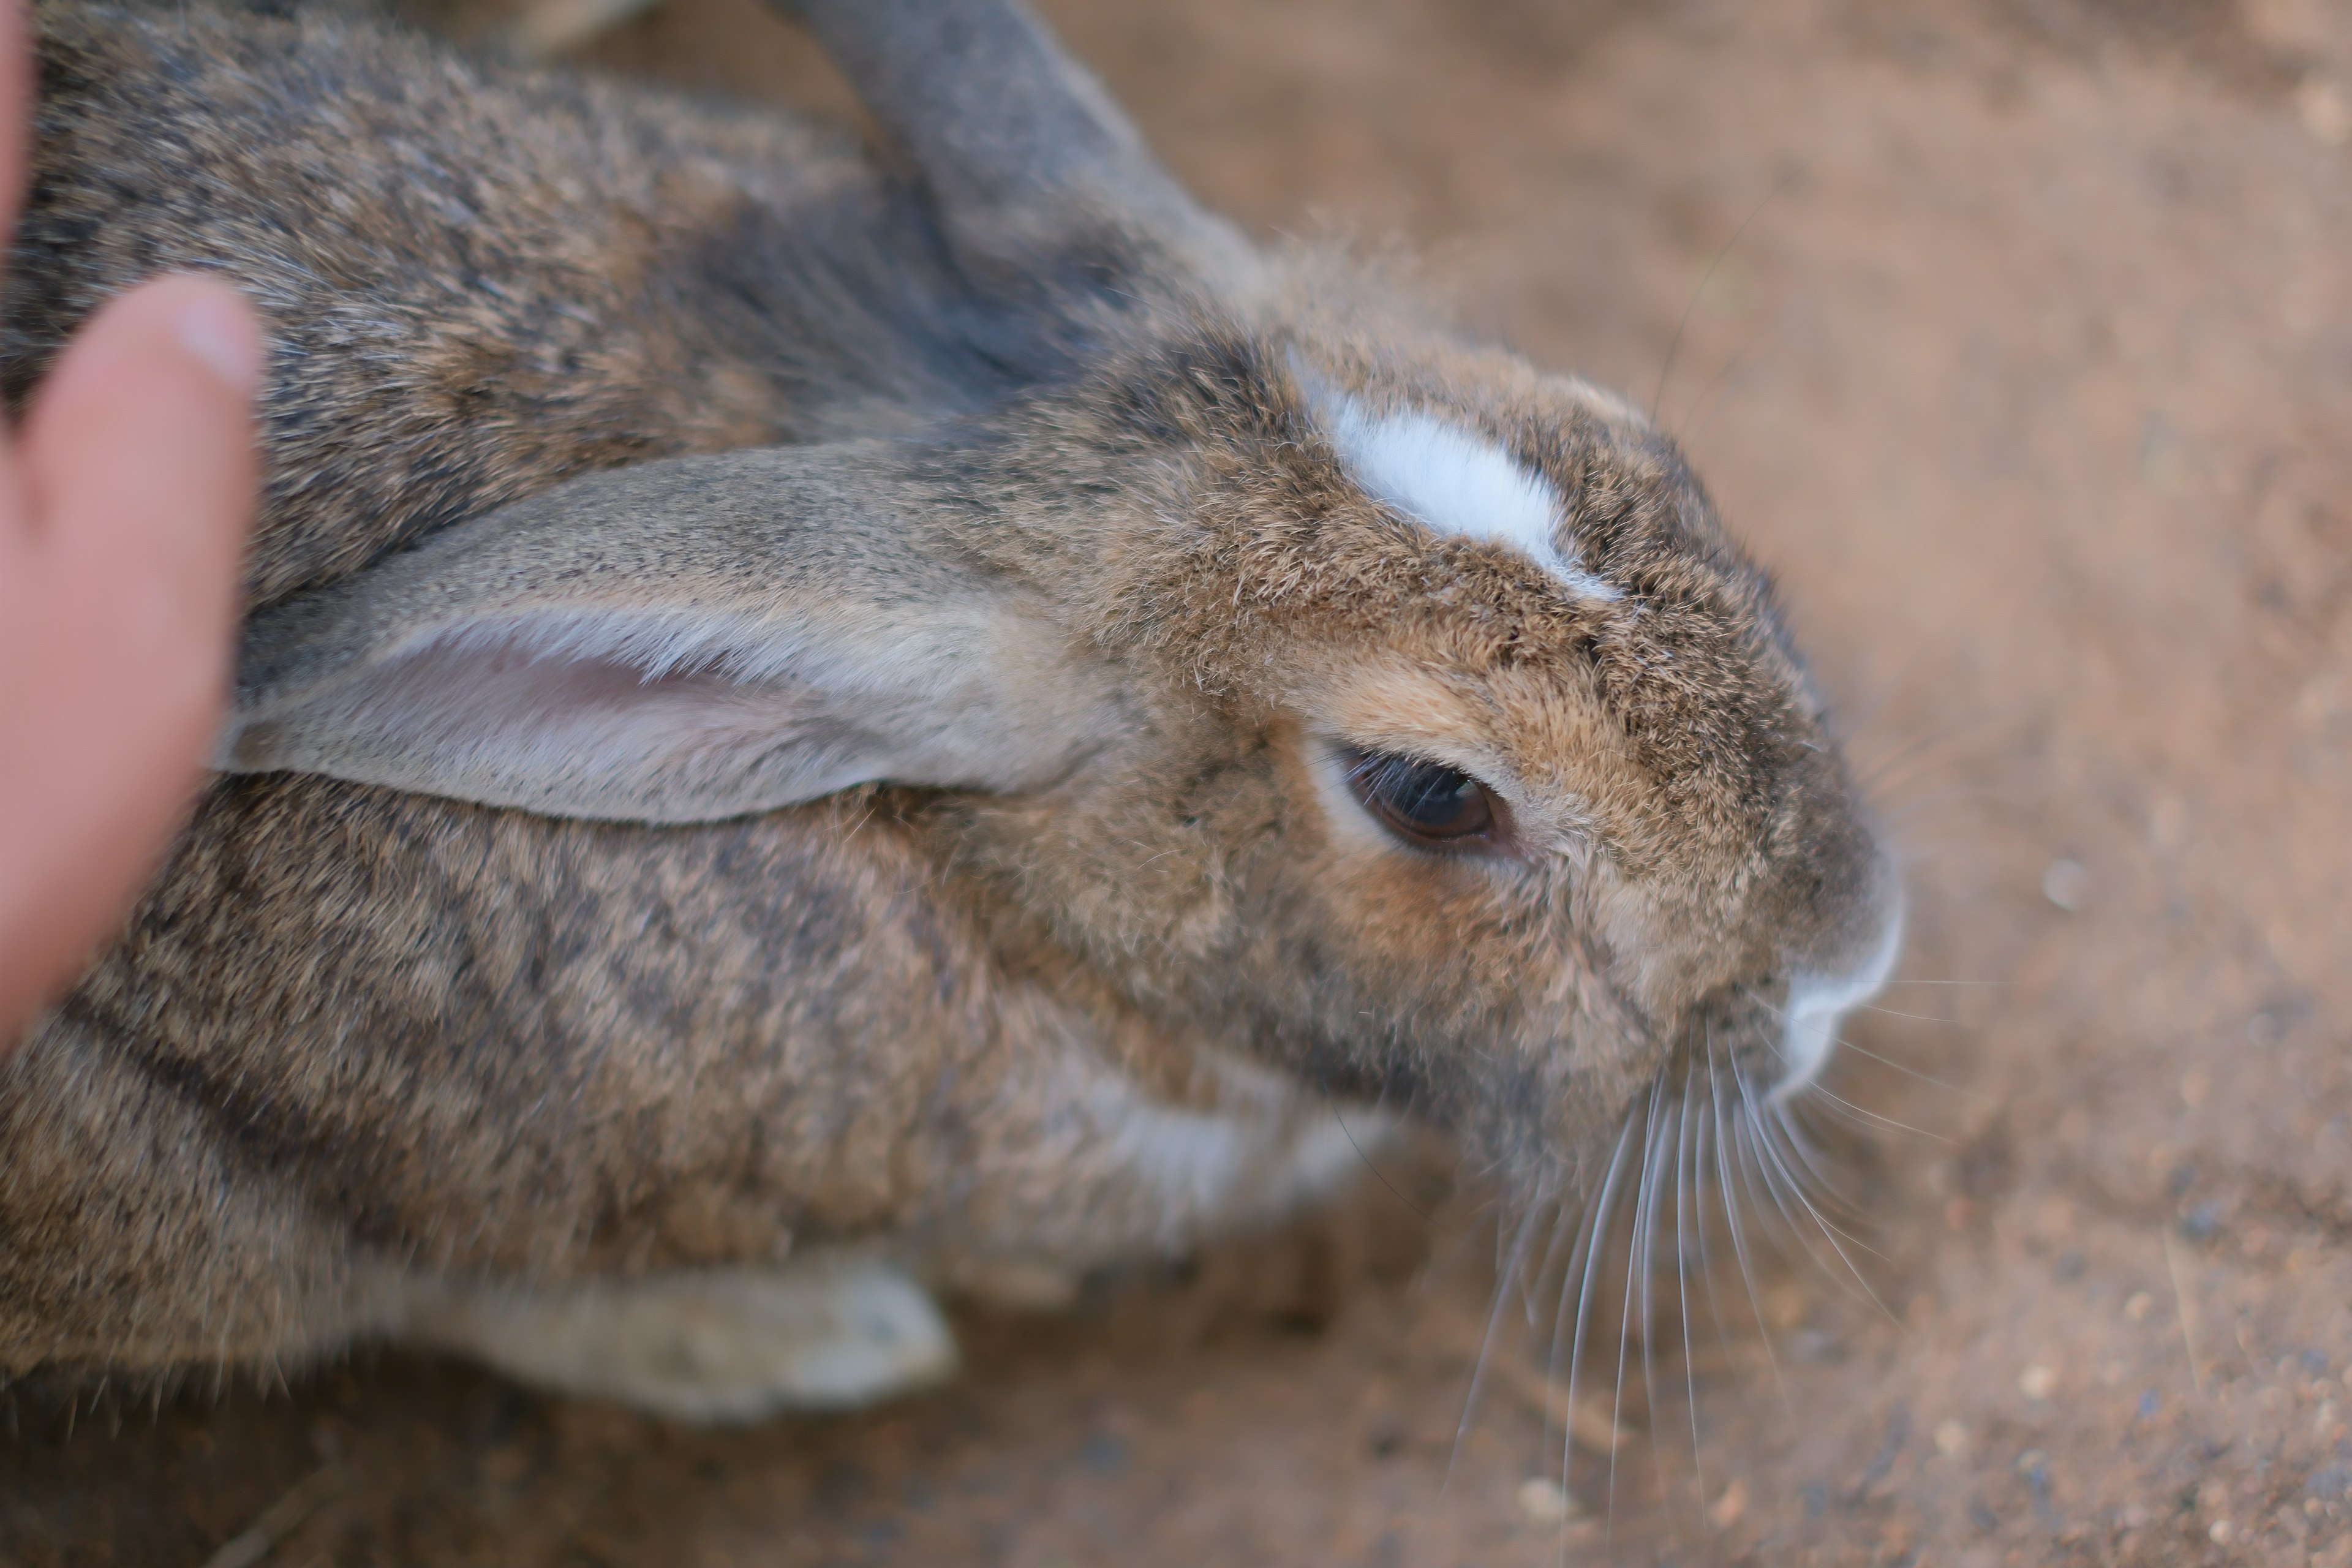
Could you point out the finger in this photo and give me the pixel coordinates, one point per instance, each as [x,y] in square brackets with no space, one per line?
[139,450]
[137,456]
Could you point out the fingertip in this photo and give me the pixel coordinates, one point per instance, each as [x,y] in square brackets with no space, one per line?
[213,323]
[143,438]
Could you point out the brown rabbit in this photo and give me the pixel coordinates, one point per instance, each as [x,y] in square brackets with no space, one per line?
[816,726]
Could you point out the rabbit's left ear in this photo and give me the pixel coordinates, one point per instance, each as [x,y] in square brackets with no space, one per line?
[692,639]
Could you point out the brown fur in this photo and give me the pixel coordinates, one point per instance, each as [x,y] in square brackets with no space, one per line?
[357,1032]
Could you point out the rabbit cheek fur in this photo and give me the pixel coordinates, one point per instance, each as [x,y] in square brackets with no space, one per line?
[681,896]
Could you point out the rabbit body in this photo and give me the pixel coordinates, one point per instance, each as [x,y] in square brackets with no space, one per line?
[1068,944]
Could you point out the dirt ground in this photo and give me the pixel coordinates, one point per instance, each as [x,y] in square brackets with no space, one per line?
[2018,342]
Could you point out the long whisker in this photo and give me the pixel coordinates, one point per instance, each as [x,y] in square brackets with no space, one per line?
[1915,1017]
[1674,347]
[1578,1246]
[1812,1166]
[1738,1236]
[1709,1129]
[1843,1044]
[1812,1177]
[1633,1259]
[1829,1232]
[1604,1210]
[1508,1272]
[1378,1175]
[1781,1120]
[1712,396]
[1533,1277]
[1872,1117]
[1682,1283]
[1878,774]
[1657,1185]
[1771,1175]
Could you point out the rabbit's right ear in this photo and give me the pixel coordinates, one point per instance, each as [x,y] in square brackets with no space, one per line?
[692,639]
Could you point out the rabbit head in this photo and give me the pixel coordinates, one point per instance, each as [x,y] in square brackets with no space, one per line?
[1469,764]
[1376,707]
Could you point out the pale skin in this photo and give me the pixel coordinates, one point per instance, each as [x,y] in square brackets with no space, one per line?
[125,494]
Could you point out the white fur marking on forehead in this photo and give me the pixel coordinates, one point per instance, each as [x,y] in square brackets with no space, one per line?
[1445,478]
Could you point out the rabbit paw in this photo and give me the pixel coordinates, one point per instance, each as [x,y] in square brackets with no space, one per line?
[723,1345]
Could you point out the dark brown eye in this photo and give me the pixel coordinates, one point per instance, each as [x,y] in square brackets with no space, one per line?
[1423,803]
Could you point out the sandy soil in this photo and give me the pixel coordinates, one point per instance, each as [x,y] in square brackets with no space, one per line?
[2019,341]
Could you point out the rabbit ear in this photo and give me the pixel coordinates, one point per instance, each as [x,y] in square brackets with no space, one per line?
[688,640]
[1026,157]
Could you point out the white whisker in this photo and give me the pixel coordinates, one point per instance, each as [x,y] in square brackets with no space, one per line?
[1830,1232]
[1709,1128]
[1738,1236]
[1813,1165]
[1682,1283]
[1770,1175]
[1915,1017]
[1604,1210]
[1507,1272]
[1625,1307]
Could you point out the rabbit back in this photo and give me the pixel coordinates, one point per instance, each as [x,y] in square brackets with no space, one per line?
[477,280]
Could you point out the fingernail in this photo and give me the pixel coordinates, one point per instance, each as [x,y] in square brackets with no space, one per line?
[216,328]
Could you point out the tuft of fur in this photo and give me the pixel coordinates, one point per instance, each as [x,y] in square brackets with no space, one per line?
[605,893]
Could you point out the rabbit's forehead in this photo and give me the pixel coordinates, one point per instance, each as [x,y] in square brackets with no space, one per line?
[1441,471]
[1602,555]
[1473,446]
[1637,653]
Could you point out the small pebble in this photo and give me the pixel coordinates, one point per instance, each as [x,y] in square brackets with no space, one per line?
[2066,883]
[1725,1511]
[2219,1533]
[1951,1440]
[1545,1500]
[2140,1305]
[1103,1455]
[2038,1381]
[2202,1221]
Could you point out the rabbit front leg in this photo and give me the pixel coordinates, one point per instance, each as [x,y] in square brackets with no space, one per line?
[708,1345]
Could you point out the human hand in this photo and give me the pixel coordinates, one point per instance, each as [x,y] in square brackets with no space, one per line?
[124,498]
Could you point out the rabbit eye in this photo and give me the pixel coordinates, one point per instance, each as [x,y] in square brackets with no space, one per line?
[1423,803]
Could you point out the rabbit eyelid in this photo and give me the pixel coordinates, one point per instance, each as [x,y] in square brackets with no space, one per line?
[687,641]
